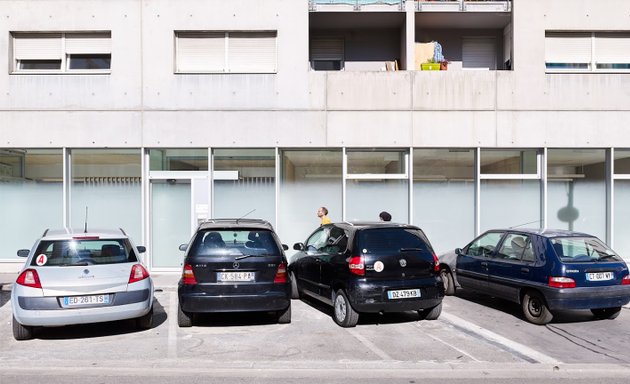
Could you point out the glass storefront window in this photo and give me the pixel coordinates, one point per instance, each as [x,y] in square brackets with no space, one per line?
[509,162]
[376,162]
[108,183]
[444,196]
[178,159]
[309,180]
[576,190]
[365,199]
[622,161]
[621,223]
[32,197]
[510,203]
[244,180]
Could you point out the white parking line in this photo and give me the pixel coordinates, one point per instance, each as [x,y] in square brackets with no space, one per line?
[172,326]
[512,346]
[379,352]
[453,347]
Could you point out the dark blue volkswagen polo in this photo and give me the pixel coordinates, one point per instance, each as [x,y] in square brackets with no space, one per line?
[543,270]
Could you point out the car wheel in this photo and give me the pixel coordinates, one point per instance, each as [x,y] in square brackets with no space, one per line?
[184,319]
[284,316]
[535,309]
[431,313]
[606,313]
[21,332]
[295,292]
[145,321]
[344,315]
[448,281]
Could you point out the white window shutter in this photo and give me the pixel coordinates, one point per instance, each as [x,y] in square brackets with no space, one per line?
[201,52]
[252,52]
[570,48]
[37,46]
[327,49]
[479,53]
[612,48]
[81,43]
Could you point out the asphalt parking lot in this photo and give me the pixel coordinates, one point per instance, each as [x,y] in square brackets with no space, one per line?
[474,338]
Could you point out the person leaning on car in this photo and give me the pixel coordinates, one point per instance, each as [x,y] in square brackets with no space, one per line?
[385,216]
[322,213]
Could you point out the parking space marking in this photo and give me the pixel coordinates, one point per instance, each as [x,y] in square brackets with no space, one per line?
[376,350]
[452,346]
[172,326]
[525,352]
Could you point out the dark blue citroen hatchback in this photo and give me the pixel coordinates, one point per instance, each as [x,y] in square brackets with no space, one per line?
[543,270]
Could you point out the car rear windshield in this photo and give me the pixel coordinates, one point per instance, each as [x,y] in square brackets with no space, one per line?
[583,249]
[392,240]
[51,253]
[252,242]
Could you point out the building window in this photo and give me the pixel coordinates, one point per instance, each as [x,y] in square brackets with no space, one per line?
[327,54]
[226,52]
[70,52]
[587,51]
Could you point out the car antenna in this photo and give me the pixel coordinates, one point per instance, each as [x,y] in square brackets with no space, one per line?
[245,215]
[520,225]
[85,227]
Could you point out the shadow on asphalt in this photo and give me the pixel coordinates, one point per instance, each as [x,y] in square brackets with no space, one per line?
[366,318]
[112,328]
[5,296]
[563,317]
[234,319]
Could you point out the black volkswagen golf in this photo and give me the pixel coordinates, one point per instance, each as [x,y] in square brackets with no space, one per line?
[234,265]
[368,267]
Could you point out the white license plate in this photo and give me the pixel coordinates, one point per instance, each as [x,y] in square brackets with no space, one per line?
[403,294]
[600,276]
[72,301]
[235,276]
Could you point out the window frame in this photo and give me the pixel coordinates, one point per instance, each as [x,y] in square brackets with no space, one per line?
[64,66]
[592,64]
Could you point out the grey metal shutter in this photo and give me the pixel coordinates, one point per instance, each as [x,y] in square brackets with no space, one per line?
[479,53]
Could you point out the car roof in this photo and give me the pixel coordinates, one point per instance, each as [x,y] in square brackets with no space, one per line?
[544,232]
[236,223]
[373,224]
[69,233]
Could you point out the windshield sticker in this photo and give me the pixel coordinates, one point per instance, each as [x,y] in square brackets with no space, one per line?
[379,266]
[41,259]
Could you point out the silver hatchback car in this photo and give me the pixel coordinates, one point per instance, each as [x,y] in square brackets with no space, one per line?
[81,277]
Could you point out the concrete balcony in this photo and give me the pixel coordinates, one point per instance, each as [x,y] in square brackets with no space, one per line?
[356,5]
[463,6]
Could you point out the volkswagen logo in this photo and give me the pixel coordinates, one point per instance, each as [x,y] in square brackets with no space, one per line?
[236,265]
[403,263]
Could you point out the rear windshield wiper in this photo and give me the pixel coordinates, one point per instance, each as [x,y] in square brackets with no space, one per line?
[81,264]
[243,257]
[411,249]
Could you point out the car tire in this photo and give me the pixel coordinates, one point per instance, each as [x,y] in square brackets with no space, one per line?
[184,319]
[343,313]
[606,313]
[145,321]
[431,313]
[535,309]
[284,316]
[295,292]
[448,281]
[21,332]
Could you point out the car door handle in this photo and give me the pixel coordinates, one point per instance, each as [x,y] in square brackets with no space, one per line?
[525,270]
[484,263]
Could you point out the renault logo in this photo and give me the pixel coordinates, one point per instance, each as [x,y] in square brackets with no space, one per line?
[236,265]
[86,271]
[403,263]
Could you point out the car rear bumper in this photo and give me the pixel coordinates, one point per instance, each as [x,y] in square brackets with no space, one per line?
[587,298]
[197,301]
[368,296]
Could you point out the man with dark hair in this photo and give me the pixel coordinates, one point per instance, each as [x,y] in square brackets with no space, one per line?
[385,216]
[322,213]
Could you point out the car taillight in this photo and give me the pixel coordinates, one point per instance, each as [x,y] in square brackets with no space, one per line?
[188,276]
[436,262]
[29,278]
[137,273]
[357,266]
[625,280]
[281,274]
[561,282]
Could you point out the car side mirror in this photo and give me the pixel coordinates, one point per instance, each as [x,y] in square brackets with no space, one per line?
[285,247]
[141,248]
[182,247]
[458,251]
[298,246]
[23,252]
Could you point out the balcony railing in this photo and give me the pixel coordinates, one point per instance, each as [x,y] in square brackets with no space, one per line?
[464,5]
[356,4]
